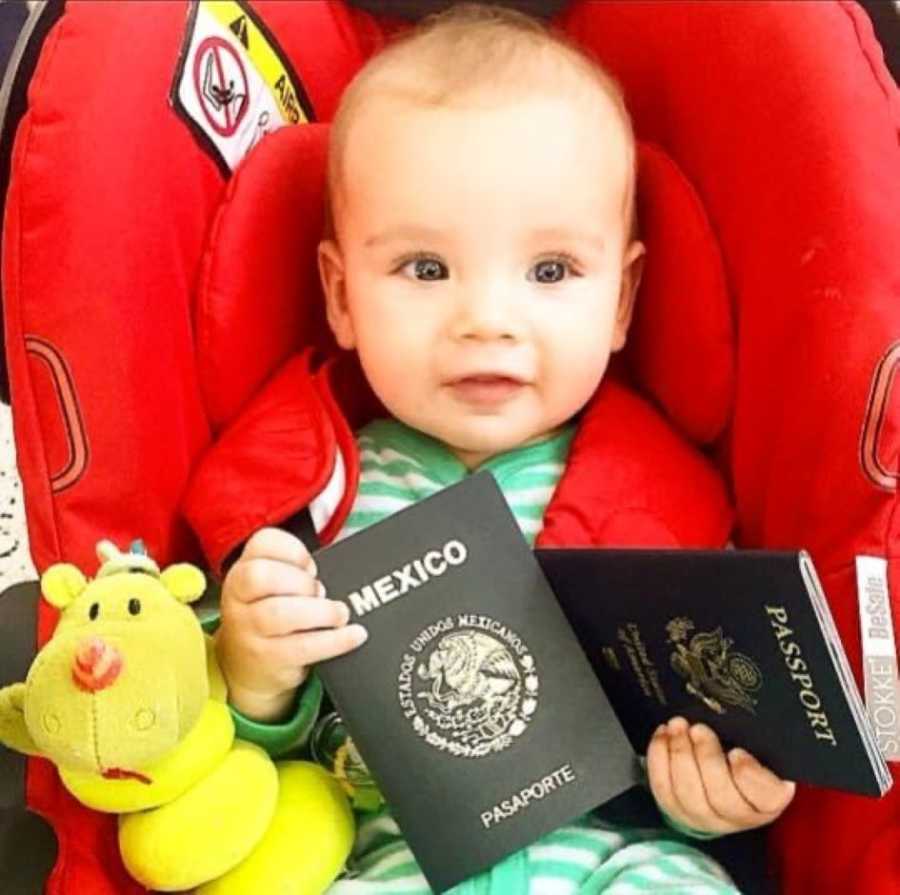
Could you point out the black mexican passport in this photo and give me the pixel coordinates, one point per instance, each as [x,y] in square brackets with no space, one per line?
[493,704]
[471,702]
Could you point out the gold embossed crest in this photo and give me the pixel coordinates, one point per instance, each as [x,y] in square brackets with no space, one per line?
[715,673]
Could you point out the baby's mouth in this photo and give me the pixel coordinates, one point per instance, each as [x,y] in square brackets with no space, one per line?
[485,389]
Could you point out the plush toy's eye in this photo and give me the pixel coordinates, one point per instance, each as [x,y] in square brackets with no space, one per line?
[94,611]
[134,606]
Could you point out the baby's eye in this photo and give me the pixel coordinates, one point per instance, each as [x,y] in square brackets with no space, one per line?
[551,271]
[426,269]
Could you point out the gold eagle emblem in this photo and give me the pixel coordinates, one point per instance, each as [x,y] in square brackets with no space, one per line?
[715,673]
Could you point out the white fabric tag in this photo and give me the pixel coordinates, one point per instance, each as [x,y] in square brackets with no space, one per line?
[882,685]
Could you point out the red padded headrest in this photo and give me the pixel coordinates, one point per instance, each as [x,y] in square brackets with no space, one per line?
[260,299]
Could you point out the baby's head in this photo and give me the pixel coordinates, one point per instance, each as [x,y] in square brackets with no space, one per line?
[482,260]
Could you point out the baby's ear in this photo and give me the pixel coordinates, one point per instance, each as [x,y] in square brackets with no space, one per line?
[632,270]
[334,285]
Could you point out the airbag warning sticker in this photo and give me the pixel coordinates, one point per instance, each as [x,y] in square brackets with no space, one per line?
[234,83]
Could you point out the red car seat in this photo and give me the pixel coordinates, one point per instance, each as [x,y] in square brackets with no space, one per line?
[770,335]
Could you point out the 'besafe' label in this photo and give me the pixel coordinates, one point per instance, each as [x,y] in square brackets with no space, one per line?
[879,653]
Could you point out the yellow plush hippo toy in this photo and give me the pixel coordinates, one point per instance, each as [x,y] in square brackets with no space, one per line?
[128,702]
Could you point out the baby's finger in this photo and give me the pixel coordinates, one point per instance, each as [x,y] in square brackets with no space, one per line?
[723,796]
[282,615]
[658,775]
[255,579]
[274,543]
[687,784]
[765,791]
[311,647]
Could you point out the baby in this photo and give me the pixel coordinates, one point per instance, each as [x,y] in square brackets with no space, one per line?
[483,261]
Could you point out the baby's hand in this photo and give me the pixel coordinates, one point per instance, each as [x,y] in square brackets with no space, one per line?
[276,623]
[697,785]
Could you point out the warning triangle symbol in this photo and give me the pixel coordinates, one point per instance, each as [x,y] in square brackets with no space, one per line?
[239,27]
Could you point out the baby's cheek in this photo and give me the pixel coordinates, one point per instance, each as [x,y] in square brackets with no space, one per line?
[578,370]
[397,374]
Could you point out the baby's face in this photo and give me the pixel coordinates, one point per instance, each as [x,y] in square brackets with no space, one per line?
[482,269]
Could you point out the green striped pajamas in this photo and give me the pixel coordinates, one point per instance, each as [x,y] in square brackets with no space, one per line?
[587,857]
[400,466]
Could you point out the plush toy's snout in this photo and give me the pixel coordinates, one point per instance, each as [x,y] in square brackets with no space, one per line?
[96,665]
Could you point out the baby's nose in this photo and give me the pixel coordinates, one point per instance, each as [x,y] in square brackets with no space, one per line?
[96,665]
[487,315]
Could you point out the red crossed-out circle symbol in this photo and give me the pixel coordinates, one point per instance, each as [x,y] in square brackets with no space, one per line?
[221,85]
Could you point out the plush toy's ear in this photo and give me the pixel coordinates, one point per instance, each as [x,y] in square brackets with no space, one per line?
[61,584]
[13,732]
[185,582]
